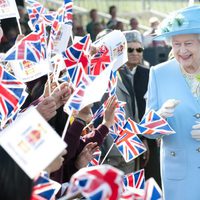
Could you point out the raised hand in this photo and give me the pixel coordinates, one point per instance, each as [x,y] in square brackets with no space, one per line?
[47,108]
[109,115]
[167,109]
[86,155]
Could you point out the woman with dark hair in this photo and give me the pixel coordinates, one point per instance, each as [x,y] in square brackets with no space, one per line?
[14,183]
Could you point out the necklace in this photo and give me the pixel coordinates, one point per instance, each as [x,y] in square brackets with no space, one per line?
[193,82]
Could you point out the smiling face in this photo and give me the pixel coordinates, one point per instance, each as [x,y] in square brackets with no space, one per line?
[186,50]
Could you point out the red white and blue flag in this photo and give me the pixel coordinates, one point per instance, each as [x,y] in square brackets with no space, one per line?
[12,95]
[156,123]
[112,83]
[77,53]
[95,161]
[38,13]
[140,129]
[68,5]
[120,120]
[29,48]
[102,182]
[152,190]
[129,144]
[63,16]
[76,74]
[44,188]
[75,100]
[100,61]
[136,182]
[100,112]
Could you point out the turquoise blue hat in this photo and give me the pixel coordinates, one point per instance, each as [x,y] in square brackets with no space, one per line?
[184,21]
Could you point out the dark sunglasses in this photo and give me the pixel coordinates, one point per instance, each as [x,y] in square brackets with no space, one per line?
[139,50]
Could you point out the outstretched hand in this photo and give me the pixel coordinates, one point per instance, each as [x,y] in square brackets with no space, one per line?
[86,155]
[109,116]
[47,108]
[61,94]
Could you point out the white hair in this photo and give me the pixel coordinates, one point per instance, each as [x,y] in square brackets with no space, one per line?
[169,39]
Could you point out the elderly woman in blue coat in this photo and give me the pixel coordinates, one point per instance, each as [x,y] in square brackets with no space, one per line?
[174,91]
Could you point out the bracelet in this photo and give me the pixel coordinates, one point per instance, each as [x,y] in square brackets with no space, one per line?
[81,121]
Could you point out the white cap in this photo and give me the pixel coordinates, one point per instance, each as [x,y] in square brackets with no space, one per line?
[133,36]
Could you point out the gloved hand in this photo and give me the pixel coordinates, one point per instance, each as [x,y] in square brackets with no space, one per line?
[196,131]
[168,108]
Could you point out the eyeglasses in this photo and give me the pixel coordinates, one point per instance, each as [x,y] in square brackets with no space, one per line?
[139,50]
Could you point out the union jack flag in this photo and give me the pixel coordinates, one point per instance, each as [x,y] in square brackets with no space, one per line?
[63,16]
[76,74]
[100,112]
[95,161]
[102,182]
[156,123]
[100,61]
[56,25]
[152,190]
[74,102]
[135,180]
[44,188]
[77,53]
[140,129]
[29,48]
[120,120]
[12,95]
[68,4]
[35,11]
[129,144]
[112,83]
[38,13]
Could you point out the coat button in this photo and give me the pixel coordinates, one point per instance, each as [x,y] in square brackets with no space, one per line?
[173,153]
[198,149]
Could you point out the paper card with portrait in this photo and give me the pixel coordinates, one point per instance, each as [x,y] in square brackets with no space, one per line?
[27,71]
[115,41]
[60,43]
[31,142]
[8,9]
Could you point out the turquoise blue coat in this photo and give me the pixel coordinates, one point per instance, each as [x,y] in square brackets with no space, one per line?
[180,153]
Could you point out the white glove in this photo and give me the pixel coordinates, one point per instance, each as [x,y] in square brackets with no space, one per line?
[196,131]
[167,109]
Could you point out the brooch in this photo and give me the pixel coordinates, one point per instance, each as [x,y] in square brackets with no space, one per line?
[197,115]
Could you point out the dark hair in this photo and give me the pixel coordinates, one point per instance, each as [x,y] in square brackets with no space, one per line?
[111,8]
[92,10]
[14,183]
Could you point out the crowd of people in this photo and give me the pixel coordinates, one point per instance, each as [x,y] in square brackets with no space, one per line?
[171,88]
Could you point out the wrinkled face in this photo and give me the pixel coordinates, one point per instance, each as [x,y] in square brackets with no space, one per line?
[134,57]
[186,49]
